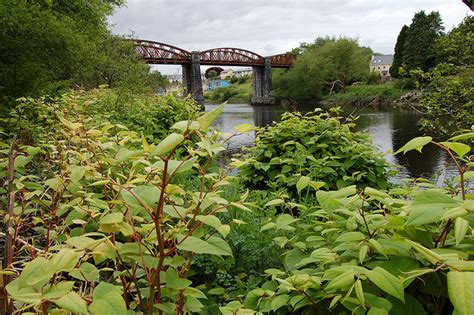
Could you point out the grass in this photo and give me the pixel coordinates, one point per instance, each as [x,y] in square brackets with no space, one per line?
[367,94]
[236,93]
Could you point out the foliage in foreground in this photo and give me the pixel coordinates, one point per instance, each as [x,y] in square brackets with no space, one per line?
[35,121]
[408,251]
[113,228]
[318,148]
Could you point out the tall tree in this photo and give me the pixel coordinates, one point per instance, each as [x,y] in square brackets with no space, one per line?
[420,47]
[49,45]
[398,56]
[324,66]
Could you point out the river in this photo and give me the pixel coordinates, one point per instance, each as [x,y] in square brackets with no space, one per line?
[389,130]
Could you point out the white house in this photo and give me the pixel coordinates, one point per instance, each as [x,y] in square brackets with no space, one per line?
[381,64]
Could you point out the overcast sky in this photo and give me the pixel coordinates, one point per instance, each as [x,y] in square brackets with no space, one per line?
[270,27]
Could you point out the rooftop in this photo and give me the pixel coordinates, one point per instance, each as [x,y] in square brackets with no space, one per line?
[381,60]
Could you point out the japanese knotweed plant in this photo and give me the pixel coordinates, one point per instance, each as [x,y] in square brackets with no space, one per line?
[406,251]
[113,231]
[318,145]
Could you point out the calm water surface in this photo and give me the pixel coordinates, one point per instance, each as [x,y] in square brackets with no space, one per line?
[389,129]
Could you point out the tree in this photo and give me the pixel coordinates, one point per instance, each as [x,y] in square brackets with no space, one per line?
[48,46]
[420,47]
[398,56]
[327,65]
[457,48]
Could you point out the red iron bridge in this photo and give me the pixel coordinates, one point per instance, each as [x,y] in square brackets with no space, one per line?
[160,53]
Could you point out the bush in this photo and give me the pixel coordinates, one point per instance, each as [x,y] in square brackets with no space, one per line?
[316,147]
[113,229]
[35,120]
[399,252]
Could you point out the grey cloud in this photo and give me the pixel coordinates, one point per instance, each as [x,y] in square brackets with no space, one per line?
[271,27]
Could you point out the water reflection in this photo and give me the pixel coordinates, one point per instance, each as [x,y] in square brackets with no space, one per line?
[389,131]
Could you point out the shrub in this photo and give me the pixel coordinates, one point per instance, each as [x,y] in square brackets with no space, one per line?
[112,229]
[318,146]
[148,114]
[402,252]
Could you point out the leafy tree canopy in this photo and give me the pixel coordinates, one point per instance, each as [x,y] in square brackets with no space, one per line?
[326,65]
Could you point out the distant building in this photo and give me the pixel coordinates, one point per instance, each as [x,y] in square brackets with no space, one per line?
[237,73]
[381,64]
[214,84]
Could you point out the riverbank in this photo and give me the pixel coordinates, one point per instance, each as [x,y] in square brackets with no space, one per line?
[239,93]
[386,95]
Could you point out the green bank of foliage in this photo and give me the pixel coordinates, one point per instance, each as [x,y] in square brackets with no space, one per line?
[239,92]
[316,147]
[113,228]
[407,250]
[448,87]
[35,121]
[49,46]
[367,94]
[105,222]
[327,65]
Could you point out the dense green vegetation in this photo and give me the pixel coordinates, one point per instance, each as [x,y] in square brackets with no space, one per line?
[114,201]
[106,221]
[317,148]
[417,46]
[327,65]
[447,100]
[239,92]
[367,95]
[49,46]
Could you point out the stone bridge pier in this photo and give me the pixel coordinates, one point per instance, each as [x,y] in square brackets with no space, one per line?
[192,82]
[262,93]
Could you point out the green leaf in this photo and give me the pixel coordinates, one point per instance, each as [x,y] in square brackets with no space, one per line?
[86,272]
[359,292]
[214,246]
[244,128]
[350,237]
[376,245]
[460,229]
[431,256]
[36,273]
[460,289]
[208,118]
[279,301]
[73,303]
[210,220]
[302,183]
[147,195]
[461,149]
[341,282]
[26,295]
[167,144]
[58,290]
[112,218]
[274,202]
[429,206]
[65,260]
[387,282]
[415,144]
[77,172]
[464,136]
[186,125]
[107,300]
[174,282]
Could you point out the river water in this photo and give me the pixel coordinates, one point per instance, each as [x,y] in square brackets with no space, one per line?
[389,130]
